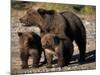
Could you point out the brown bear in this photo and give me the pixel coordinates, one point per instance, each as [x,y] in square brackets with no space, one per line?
[51,21]
[62,47]
[30,45]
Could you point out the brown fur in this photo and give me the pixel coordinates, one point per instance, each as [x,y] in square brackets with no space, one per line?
[65,23]
[30,45]
[61,47]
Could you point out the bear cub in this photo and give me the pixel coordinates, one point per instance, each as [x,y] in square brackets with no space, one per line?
[30,45]
[58,45]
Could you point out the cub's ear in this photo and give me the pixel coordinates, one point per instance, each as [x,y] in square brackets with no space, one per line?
[41,11]
[19,34]
[56,40]
[51,12]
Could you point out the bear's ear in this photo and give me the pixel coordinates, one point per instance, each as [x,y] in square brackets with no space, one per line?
[56,40]
[51,12]
[41,11]
[19,34]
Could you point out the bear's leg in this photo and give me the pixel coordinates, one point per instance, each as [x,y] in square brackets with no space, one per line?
[49,57]
[24,58]
[36,57]
[60,59]
[67,58]
[45,60]
[82,48]
[59,53]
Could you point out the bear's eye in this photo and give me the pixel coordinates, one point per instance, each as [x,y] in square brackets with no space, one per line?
[29,14]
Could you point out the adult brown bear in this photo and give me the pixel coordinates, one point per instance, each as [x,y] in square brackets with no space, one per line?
[66,23]
[61,46]
[30,45]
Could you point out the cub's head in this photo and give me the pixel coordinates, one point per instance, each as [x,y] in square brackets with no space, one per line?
[50,40]
[28,39]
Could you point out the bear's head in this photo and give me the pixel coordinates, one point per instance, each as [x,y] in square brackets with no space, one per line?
[28,39]
[52,40]
[35,17]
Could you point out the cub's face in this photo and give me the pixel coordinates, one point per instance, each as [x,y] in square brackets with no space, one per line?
[49,41]
[28,39]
